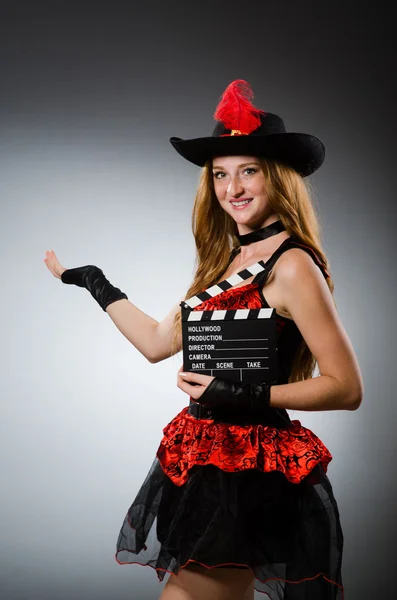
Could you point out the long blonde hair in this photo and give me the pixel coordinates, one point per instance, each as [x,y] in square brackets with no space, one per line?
[291,197]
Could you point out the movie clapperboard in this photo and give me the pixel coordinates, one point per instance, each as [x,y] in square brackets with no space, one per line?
[236,344]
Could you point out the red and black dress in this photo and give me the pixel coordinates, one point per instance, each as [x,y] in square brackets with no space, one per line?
[252,493]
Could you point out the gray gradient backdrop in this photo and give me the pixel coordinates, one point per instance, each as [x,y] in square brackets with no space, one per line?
[90,94]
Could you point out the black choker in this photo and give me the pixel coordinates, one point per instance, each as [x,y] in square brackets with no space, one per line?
[260,234]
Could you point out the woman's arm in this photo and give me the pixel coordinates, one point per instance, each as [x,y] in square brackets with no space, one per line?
[306,296]
[151,338]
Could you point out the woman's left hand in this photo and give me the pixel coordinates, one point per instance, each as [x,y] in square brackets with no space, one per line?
[195,391]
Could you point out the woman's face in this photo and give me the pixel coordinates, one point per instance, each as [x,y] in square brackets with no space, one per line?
[237,179]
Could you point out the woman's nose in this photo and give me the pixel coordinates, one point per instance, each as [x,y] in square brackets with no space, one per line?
[235,187]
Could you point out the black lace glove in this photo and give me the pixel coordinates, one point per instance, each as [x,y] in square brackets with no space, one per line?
[227,392]
[93,279]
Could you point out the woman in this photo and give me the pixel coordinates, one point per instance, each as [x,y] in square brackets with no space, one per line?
[237,497]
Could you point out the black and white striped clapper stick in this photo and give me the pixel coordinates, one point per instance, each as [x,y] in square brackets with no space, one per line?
[224,285]
[239,344]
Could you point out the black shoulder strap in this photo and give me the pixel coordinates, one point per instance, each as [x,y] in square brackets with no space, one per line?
[286,245]
[260,269]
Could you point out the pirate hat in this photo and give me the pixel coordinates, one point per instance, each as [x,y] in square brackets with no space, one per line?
[242,129]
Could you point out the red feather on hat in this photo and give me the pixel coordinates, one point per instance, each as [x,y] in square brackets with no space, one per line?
[235,109]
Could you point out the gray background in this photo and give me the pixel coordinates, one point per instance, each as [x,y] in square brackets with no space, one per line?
[90,94]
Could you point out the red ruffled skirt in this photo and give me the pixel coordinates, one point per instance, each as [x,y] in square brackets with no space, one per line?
[256,496]
[187,441]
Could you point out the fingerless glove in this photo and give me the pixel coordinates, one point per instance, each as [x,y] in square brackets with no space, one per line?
[93,279]
[227,392]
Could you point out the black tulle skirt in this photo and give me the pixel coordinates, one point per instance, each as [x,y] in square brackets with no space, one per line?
[289,534]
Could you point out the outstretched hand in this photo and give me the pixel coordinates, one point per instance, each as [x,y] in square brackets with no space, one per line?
[195,391]
[53,264]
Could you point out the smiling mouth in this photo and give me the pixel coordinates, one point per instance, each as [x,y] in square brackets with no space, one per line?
[238,203]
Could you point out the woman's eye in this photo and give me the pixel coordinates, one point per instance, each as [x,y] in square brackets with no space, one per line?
[250,170]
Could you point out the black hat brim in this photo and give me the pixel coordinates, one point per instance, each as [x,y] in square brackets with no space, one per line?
[303,152]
